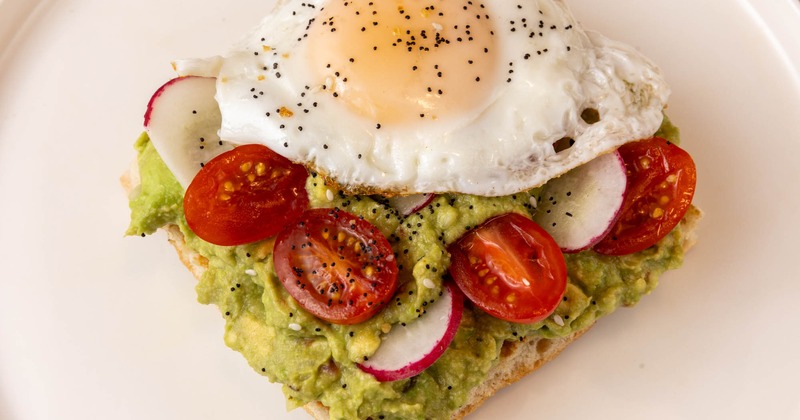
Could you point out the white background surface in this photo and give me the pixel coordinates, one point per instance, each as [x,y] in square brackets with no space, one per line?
[95,325]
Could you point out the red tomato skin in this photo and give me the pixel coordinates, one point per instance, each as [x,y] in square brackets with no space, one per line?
[657,170]
[257,208]
[337,266]
[513,250]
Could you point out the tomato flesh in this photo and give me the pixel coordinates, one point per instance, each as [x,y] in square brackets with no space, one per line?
[511,268]
[339,267]
[661,184]
[244,195]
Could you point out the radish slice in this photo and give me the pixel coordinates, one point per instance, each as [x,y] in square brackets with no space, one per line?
[182,120]
[408,350]
[410,204]
[579,208]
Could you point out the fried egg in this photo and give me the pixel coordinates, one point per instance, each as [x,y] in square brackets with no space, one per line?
[486,97]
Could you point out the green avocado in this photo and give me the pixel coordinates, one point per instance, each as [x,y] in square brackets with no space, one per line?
[158,199]
[316,360]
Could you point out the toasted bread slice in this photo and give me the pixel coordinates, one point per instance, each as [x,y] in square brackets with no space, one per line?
[517,358]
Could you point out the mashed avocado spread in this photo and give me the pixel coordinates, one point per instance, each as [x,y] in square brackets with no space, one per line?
[316,360]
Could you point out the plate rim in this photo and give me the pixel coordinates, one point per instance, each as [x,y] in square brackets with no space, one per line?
[16,17]
[776,23]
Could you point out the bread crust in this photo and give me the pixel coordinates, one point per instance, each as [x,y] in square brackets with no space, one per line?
[517,358]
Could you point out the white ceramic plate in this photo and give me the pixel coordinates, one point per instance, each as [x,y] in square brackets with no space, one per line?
[95,325]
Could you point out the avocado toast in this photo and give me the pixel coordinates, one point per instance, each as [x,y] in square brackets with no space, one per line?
[486,354]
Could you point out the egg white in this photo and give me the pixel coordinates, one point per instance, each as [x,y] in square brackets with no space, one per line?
[268,93]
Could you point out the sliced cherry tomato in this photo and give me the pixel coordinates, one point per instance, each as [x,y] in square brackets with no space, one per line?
[511,268]
[245,195]
[337,266]
[661,184]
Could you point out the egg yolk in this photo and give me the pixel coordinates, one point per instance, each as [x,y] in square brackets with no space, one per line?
[396,61]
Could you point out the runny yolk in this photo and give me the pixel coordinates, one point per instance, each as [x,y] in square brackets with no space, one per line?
[396,61]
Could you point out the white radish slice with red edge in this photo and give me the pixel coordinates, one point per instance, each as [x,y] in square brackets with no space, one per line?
[182,120]
[409,204]
[579,208]
[408,350]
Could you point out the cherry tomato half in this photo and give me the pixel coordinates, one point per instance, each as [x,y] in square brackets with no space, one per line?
[661,184]
[511,268]
[337,266]
[245,195]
